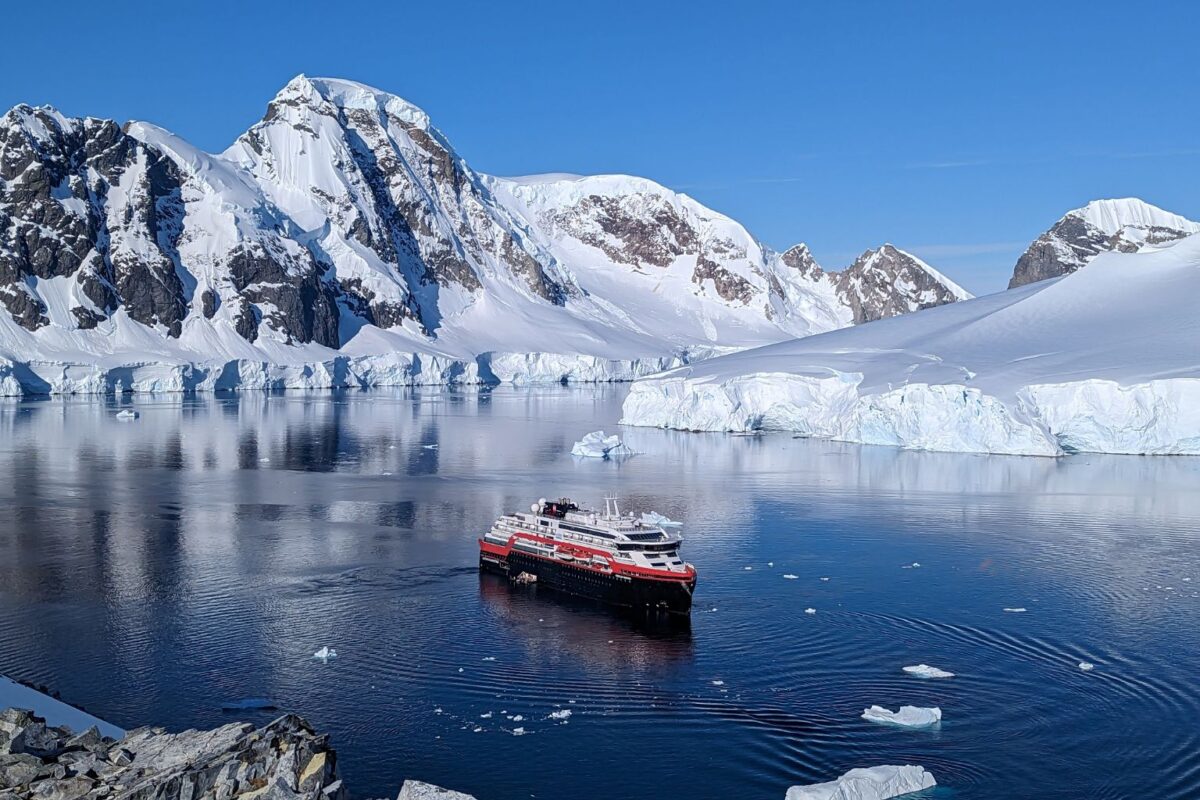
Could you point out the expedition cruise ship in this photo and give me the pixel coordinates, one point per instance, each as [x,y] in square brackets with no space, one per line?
[612,557]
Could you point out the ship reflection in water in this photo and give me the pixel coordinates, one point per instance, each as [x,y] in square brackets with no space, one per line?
[586,630]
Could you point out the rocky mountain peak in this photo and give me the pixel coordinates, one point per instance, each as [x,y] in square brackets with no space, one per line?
[1125,225]
[887,281]
[343,213]
[801,259]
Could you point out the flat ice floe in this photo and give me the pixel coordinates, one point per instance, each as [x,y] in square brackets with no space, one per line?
[908,716]
[597,445]
[1102,360]
[926,671]
[868,783]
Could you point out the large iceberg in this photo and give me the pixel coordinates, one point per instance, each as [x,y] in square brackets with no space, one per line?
[907,716]
[1102,360]
[868,783]
[597,445]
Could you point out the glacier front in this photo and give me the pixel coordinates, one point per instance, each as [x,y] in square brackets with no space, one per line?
[1105,359]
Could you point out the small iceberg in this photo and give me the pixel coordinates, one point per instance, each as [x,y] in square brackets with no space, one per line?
[926,671]
[325,653]
[908,716]
[810,611]
[518,731]
[654,518]
[563,714]
[869,783]
[127,414]
[251,704]
[1015,610]
[597,445]
[1086,666]
[790,577]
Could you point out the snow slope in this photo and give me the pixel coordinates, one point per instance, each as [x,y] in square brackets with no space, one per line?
[1106,359]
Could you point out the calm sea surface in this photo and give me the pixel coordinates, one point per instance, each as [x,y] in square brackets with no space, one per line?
[152,571]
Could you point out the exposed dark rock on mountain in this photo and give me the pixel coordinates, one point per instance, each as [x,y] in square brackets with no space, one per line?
[881,283]
[1102,226]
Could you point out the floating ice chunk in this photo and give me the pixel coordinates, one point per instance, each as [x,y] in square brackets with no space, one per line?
[325,653]
[870,783]
[748,568]
[908,716]
[597,445]
[810,611]
[561,714]
[1086,666]
[824,579]
[251,704]
[926,671]
[770,563]
[913,565]
[429,447]
[790,577]
[1016,610]
[654,518]
[517,718]
[487,715]
[718,683]
[489,658]
[438,710]
[521,731]
[127,414]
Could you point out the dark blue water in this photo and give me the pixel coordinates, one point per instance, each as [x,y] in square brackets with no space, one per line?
[152,571]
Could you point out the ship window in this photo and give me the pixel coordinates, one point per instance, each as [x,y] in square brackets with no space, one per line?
[600,534]
[644,537]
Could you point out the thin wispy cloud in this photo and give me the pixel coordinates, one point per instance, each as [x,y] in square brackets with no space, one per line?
[741,182]
[948,164]
[1192,151]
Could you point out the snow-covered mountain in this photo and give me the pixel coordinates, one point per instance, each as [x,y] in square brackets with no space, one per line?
[1105,359]
[882,282]
[1126,225]
[343,241]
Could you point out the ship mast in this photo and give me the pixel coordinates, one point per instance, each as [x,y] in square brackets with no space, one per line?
[611,509]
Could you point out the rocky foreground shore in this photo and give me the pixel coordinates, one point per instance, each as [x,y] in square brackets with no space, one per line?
[283,760]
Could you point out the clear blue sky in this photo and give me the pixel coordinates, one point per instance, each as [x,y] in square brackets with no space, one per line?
[958,130]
